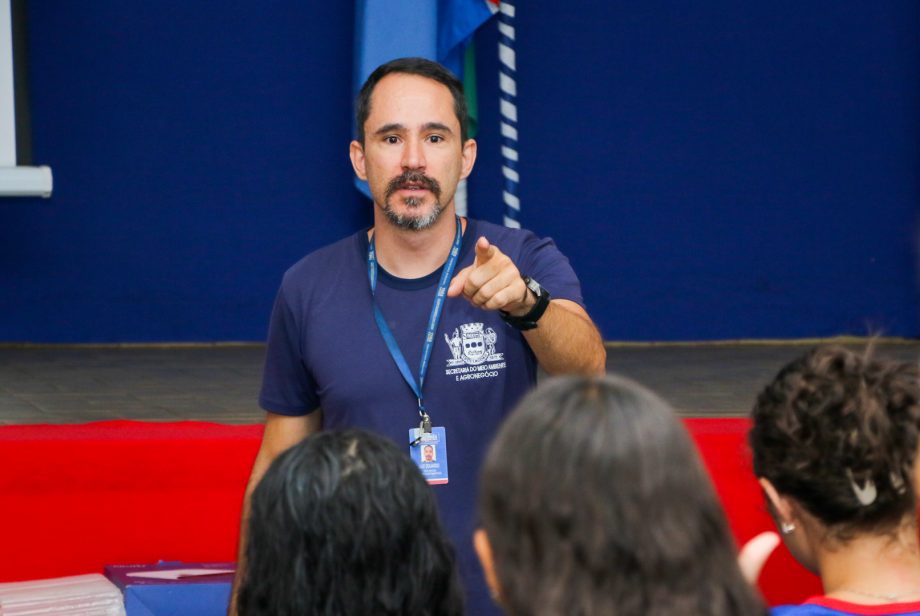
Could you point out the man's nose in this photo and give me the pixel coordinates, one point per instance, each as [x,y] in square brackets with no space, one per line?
[413,155]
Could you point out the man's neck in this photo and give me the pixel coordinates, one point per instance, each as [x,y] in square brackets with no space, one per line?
[414,254]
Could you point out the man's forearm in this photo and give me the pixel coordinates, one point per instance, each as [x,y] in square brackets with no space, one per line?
[565,341]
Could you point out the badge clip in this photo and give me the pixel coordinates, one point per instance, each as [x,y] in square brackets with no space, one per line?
[424,427]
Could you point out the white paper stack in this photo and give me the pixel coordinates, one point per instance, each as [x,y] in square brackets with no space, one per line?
[79,595]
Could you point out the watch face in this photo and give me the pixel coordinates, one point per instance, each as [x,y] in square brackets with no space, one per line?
[534,286]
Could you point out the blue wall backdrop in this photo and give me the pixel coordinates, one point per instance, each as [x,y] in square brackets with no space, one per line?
[724,170]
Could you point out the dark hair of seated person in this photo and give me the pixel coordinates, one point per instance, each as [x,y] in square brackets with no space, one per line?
[594,501]
[344,523]
[834,439]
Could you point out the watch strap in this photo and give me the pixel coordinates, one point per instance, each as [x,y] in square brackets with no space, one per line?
[529,320]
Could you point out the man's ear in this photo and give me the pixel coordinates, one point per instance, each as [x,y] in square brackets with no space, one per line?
[356,153]
[484,552]
[468,158]
[780,504]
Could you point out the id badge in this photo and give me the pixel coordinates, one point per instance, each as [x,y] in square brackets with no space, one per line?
[430,454]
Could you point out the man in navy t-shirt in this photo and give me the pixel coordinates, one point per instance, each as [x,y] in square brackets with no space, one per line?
[427,327]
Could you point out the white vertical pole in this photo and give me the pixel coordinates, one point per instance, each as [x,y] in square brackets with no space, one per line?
[507,82]
[7,100]
[460,199]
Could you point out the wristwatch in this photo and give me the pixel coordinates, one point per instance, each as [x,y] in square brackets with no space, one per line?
[529,320]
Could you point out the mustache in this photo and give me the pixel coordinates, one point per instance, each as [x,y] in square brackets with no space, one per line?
[414,177]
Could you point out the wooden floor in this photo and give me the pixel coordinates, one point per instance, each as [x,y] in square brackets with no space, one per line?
[60,384]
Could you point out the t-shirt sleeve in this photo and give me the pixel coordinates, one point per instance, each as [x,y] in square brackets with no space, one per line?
[542,261]
[287,387]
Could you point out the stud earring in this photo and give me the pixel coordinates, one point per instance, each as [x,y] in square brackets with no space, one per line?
[786,527]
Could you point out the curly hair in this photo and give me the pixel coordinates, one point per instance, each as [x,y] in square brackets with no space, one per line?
[831,422]
[594,500]
[344,523]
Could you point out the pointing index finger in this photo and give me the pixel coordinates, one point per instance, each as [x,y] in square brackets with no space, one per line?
[484,251]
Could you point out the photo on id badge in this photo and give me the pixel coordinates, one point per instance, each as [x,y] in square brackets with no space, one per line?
[430,454]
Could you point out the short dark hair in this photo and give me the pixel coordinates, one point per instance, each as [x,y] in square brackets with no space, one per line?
[832,418]
[595,502]
[344,523]
[412,66]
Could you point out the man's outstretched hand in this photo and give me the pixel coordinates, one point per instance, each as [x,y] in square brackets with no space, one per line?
[565,342]
[492,282]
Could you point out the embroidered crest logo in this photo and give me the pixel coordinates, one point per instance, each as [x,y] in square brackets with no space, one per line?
[471,345]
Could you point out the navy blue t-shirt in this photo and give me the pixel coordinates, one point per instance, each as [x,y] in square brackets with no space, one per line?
[325,351]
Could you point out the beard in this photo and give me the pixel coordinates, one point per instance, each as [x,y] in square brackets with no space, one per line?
[416,219]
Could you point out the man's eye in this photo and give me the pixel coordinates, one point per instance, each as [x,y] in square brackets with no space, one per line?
[436,138]
[391,139]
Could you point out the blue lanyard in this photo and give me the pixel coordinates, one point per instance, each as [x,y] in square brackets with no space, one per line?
[436,309]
